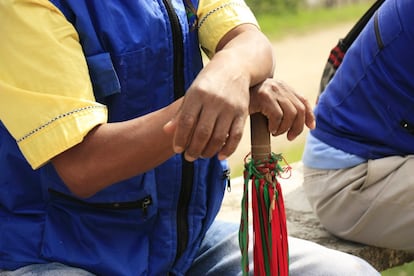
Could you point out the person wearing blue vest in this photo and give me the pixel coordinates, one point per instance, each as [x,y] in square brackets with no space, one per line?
[113,136]
[359,159]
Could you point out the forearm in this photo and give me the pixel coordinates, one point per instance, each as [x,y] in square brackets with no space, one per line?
[250,52]
[116,151]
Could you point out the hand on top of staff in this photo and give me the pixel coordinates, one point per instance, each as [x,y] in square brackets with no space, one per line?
[286,110]
[219,124]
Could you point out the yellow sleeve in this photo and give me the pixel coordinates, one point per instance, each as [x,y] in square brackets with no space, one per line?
[217,17]
[46,98]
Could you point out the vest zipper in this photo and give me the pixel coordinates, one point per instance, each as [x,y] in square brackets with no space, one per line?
[187,167]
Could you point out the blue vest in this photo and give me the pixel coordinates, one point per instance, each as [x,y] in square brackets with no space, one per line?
[367,109]
[139,53]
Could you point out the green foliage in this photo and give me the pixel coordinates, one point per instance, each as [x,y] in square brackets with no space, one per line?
[275,6]
[279,24]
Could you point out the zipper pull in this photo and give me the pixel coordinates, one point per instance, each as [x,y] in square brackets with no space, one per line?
[144,205]
[226,175]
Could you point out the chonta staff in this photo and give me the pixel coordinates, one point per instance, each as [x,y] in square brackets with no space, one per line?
[270,241]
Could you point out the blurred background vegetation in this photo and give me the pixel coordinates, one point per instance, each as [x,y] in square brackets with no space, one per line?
[280,18]
[293,6]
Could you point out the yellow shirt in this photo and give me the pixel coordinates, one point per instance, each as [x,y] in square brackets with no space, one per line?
[46,98]
[216,18]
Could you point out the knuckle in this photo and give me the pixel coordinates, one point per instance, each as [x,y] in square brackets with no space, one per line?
[237,135]
[274,86]
[191,153]
[186,121]
[208,153]
[300,108]
[203,132]
[294,112]
[218,140]
[229,149]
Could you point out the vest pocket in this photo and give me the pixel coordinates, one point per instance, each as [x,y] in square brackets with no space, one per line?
[142,203]
[98,235]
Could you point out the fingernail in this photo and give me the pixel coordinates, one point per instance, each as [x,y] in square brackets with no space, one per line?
[178,149]
[189,158]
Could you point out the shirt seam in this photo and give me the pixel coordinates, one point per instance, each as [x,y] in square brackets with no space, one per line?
[61,116]
[205,17]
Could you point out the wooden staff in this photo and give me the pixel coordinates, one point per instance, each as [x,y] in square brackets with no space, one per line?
[260,137]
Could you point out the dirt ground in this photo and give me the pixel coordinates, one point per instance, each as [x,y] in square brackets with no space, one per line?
[300,60]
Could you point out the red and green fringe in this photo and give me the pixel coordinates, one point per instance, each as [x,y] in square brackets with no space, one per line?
[270,243]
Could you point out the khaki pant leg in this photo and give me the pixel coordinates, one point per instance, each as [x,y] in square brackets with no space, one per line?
[372,203]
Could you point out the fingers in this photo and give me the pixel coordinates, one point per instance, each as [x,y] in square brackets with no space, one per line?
[305,112]
[185,122]
[309,115]
[208,136]
[233,139]
[287,111]
[202,133]
[293,118]
[213,135]
[218,137]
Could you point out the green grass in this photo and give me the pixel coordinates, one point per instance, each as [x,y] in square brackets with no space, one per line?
[305,20]
[294,153]
[404,270]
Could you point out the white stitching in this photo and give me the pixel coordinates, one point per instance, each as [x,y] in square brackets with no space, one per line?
[55,119]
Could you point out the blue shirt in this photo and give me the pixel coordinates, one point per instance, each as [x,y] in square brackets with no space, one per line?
[319,155]
[367,108]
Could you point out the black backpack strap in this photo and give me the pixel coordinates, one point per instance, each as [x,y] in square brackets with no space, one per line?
[357,28]
[338,52]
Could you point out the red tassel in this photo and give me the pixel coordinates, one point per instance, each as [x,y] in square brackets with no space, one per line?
[270,243]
